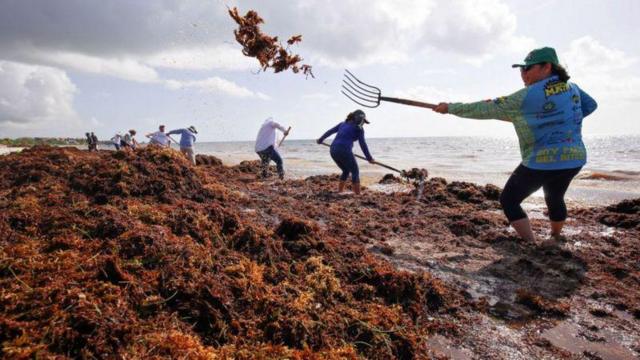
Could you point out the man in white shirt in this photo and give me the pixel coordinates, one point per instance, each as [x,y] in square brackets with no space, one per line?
[116,139]
[159,137]
[266,146]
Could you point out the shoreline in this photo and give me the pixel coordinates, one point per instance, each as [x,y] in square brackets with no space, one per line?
[592,187]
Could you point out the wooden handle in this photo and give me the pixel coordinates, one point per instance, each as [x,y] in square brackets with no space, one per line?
[282,140]
[408,102]
[375,162]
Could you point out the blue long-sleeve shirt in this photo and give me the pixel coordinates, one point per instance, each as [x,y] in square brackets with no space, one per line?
[186,137]
[347,134]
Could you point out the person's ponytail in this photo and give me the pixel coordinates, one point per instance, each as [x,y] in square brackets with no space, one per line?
[560,72]
[350,117]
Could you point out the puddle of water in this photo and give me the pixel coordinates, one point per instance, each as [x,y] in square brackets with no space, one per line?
[566,336]
[624,315]
[608,231]
[441,346]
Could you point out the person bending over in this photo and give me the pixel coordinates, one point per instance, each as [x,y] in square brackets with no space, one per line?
[159,137]
[187,139]
[342,147]
[266,147]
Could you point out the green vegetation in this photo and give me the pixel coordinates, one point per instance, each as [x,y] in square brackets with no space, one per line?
[32,141]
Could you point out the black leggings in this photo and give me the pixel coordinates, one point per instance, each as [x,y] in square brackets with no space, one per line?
[525,181]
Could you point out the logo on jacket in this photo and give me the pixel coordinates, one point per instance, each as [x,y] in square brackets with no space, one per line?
[548,106]
[555,88]
[575,99]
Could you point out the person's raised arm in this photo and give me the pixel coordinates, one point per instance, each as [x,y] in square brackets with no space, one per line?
[504,108]
[278,126]
[364,147]
[329,132]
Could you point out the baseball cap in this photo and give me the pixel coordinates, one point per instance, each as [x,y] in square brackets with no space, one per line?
[541,55]
[360,115]
[192,129]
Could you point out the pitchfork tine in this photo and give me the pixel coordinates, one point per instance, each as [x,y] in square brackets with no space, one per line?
[365,84]
[357,102]
[358,93]
[365,99]
[375,92]
[352,88]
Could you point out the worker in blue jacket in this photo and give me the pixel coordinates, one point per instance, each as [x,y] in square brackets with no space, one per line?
[547,115]
[187,139]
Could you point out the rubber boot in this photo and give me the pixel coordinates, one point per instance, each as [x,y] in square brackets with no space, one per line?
[341,186]
[356,188]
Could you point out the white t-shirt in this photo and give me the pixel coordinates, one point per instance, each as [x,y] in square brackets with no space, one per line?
[159,137]
[267,134]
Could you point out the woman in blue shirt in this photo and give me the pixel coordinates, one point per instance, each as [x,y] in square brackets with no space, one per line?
[342,147]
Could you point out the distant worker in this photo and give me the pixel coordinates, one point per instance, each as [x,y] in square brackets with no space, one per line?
[266,146]
[94,141]
[115,140]
[187,138]
[89,141]
[547,115]
[342,148]
[159,137]
[128,141]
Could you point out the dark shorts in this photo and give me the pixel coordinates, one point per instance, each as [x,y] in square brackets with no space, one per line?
[525,181]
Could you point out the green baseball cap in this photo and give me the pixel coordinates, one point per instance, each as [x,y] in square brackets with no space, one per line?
[537,56]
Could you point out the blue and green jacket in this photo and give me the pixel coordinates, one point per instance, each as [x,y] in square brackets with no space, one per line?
[547,117]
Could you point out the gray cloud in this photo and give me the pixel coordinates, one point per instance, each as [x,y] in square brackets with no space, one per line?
[110,28]
[335,31]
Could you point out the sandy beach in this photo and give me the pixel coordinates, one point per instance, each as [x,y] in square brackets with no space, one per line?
[4,150]
[142,254]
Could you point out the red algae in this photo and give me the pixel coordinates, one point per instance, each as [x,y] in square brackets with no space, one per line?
[265,48]
[143,255]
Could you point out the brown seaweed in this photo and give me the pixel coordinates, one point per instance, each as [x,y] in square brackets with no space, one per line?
[265,48]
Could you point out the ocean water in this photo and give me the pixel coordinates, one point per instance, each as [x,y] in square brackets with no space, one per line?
[612,172]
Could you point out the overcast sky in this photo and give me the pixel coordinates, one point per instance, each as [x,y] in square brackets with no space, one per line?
[71,66]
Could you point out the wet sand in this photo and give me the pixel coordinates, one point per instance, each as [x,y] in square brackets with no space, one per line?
[142,255]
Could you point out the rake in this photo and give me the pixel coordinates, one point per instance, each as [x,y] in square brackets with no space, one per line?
[370,96]
[420,181]
[375,162]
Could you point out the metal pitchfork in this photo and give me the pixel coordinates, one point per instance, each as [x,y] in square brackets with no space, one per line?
[370,96]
